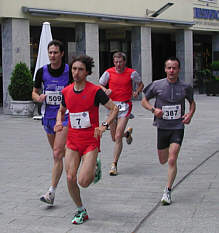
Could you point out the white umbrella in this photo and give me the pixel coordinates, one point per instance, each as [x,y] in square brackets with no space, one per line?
[45,38]
[42,57]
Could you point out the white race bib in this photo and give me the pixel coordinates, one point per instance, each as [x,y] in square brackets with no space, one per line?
[172,112]
[123,106]
[80,120]
[53,97]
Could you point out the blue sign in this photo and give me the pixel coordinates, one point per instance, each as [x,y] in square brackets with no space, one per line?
[202,13]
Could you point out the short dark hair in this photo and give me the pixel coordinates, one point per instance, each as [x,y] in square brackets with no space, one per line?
[86,60]
[57,43]
[120,54]
[172,58]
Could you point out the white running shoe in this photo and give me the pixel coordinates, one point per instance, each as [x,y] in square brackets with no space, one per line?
[166,199]
[48,198]
[113,170]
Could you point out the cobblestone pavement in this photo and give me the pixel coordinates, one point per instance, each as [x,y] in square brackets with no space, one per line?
[123,204]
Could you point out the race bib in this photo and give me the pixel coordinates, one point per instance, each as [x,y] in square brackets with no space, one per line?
[80,120]
[53,97]
[172,112]
[123,106]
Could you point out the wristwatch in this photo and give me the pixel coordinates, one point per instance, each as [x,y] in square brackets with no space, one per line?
[105,124]
[153,109]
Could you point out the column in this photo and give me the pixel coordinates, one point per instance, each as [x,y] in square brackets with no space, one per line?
[87,42]
[184,51]
[141,52]
[15,49]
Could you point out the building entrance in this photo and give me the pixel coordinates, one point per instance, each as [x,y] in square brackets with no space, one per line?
[163,46]
[112,41]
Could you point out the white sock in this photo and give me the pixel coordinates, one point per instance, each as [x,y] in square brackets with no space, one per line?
[52,189]
[81,208]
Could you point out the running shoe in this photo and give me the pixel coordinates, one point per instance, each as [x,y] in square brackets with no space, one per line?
[98,173]
[48,198]
[80,217]
[166,199]
[129,136]
[131,116]
[113,170]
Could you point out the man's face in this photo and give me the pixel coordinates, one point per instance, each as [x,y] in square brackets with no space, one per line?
[172,70]
[119,64]
[55,55]
[79,72]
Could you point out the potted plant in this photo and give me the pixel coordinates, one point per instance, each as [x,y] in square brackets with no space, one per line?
[20,90]
[215,69]
[210,81]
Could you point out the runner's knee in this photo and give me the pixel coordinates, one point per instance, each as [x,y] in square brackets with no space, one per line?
[84,181]
[118,136]
[163,160]
[72,179]
[163,157]
[58,153]
[171,161]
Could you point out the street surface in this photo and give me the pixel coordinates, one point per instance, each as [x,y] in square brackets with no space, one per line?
[127,203]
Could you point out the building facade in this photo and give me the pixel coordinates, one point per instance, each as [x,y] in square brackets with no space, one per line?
[148,31]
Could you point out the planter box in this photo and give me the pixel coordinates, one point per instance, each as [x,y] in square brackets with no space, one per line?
[22,108]
[212,87]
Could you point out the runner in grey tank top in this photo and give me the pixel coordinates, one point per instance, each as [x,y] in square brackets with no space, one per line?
[169,117]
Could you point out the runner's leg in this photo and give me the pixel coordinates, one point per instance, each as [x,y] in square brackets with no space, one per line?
[172,163]
[121,125]
[72,162]
[113,129]
[51,139]
[58,154]
[163,155]
[88,168]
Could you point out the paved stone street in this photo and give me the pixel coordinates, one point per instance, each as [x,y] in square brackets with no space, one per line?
[124,204]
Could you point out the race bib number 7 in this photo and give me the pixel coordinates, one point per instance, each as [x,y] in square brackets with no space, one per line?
[172,112]
[53,97]
[80,120]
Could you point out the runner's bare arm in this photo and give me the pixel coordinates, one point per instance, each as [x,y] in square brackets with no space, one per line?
[112,115]
[156,111]
[36,97]
[113,111]
[59,118]
[188,116]
[138,90]
[107,91]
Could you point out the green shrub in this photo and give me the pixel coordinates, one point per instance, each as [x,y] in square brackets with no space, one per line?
[206,75]
[21,84]
[215,65]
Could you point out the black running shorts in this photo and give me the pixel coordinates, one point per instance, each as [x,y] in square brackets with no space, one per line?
[165,137]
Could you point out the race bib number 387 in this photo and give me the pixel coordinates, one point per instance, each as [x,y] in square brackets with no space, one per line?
[172,112]
[80,120]
[53,97]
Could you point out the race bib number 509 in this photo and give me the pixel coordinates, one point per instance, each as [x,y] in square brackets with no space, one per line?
[171,112]
[53,97]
